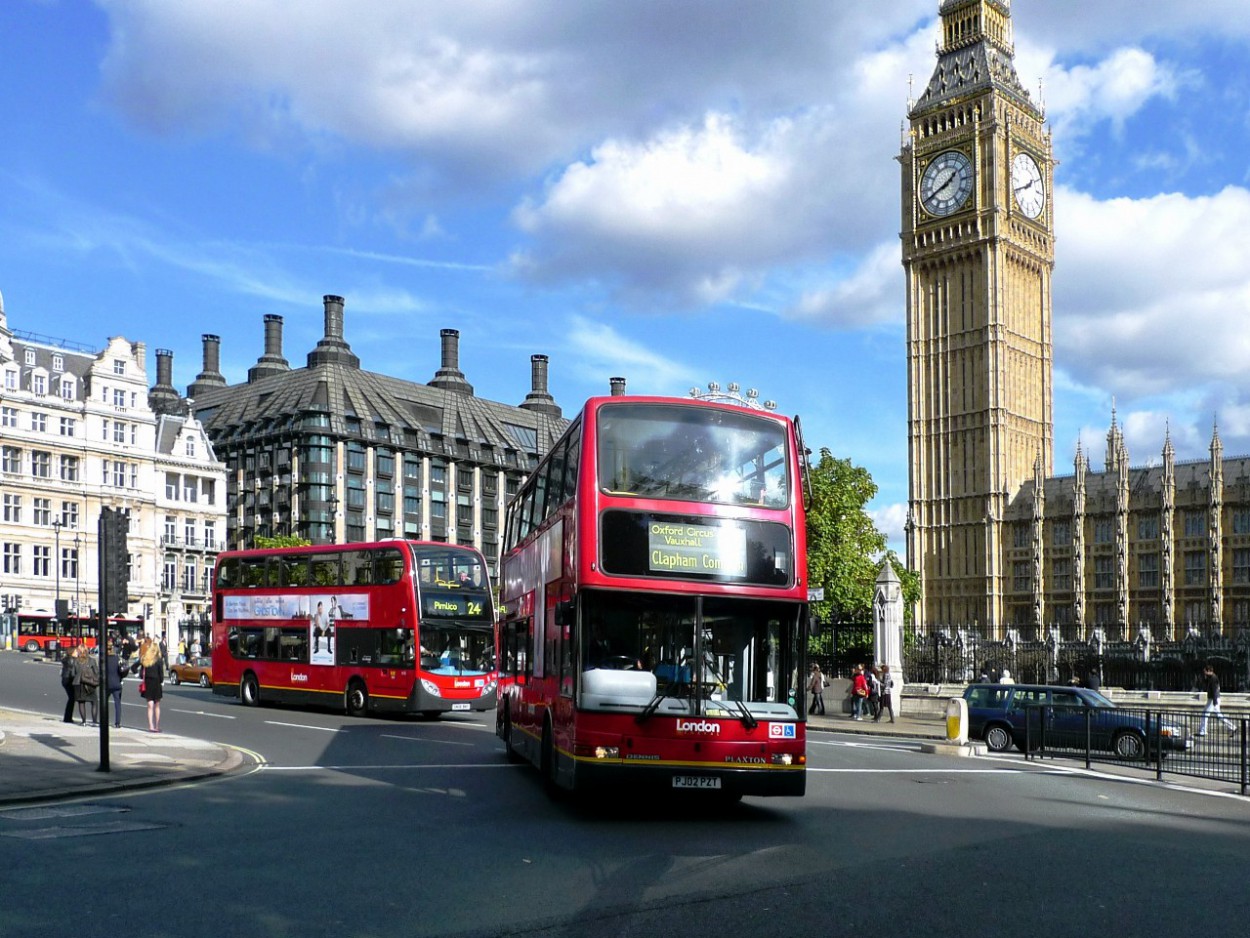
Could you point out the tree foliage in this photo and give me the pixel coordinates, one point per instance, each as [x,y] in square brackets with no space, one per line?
[282,540]
[845,551]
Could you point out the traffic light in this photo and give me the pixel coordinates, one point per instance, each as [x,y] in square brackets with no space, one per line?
[114,524]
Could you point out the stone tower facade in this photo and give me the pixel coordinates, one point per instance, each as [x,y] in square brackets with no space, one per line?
[978,252]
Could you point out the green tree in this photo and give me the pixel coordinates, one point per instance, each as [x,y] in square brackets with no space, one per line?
[845,551]
[282,540]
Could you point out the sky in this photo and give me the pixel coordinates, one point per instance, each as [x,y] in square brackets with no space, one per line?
[672,192]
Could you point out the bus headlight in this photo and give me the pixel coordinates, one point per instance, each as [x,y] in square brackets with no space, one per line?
[431,688]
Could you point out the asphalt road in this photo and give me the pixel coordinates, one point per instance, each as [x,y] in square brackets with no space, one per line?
[399,827]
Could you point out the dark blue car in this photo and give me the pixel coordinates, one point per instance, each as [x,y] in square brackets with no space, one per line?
[1064,718]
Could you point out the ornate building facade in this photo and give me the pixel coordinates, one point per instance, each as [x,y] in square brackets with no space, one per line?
[1002,545]
[978,251]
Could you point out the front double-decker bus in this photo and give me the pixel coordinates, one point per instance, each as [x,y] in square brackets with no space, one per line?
[395,625]
[654,602]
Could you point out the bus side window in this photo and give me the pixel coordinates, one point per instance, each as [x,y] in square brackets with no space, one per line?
[388,567]
[325,570]
[358,568]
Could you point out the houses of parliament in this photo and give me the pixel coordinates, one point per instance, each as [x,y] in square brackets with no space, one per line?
[999,539]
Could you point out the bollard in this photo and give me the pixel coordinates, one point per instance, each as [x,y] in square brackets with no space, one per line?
[957,720]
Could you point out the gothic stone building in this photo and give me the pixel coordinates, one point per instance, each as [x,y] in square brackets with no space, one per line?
[331,452]
[998,540]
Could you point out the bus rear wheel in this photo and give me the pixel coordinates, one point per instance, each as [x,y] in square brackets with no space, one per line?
[31,647]
[249,690]
[357,699]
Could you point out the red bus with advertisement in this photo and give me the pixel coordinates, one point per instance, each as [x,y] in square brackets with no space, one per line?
[395,625]
[37,631]
[654,601]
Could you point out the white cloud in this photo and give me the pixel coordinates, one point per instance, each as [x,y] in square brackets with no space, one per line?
[600,352]
[1114,89]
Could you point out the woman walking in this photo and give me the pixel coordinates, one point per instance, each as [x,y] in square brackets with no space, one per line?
[816,686]
[152,680]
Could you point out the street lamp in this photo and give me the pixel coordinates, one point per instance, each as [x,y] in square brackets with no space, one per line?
[77,580]
[56,527]
[334,516]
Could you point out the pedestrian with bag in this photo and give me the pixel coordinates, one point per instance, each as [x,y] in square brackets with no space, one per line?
[887,693]
[874,692]
[1211,684]
[70,681]
[859,692]
[816,687]
[115,673]
[151,678]
[88,684]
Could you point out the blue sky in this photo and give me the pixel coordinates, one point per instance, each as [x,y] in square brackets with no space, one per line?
[676,193]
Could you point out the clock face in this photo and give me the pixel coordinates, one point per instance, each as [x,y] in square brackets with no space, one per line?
[1027,185]
[946,183]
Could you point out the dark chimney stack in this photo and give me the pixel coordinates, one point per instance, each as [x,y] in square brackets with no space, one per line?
[333,348]
[272,362]
[618,386]
[538,398]
[449,375]
[163,397]
[211,376]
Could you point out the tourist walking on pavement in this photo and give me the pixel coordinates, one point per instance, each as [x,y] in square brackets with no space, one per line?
[859,692]
[887,694]
[115,671]
[151,677]
[874,692]
[1211,684]
[70,681]
[816,687]
[88,684]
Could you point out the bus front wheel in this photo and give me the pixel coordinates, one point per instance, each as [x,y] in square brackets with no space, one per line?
[31,647]
[249,690]
[357,700]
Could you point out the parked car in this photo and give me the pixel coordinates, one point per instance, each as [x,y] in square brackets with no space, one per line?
[1064,718]
[199,670]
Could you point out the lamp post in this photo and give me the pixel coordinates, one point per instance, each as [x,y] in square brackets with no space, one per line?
[334,516]
[56,527]
[77,579]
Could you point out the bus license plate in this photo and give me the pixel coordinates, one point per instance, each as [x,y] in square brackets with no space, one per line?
[463,706]
[696,781]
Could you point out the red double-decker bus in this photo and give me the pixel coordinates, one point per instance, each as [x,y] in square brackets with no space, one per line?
[654,602]
[393,625]
[37,631]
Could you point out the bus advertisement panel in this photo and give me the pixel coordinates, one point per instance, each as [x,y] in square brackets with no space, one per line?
[393,625]
[654,602]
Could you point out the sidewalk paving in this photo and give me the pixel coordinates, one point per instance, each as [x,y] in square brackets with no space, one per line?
[43,758]
[906,727]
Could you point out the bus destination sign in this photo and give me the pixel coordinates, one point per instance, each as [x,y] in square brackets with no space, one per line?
[676,547]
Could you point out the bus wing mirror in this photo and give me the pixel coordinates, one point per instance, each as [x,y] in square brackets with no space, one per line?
[565,612]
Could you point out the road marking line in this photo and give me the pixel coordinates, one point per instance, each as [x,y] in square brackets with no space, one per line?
[305,726]
[360,768]
[420,739]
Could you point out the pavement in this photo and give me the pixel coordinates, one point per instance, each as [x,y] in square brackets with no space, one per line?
[43,759]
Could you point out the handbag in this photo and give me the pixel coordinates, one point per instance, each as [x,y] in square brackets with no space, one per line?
[143,686]
[861,692]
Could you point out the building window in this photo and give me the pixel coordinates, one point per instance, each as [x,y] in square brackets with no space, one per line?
[69,468]
[1061,575]
[1195,567]
[188,576]
[1022,580]
[69,426]
[30,356]
[1104,531]
[1148,571]
[42,514]
[169,578]
[41,562]
[39,422]
[10,459]
[13,508]
[1147,527]
[119,398]
[1104,573]
[10,380]
[384,464]
[69,563]
[13,559]
[188,531]
[1241,565]
[1241,520]
[67,388]
[69,514]
[119,366]
[1195,523]
[58,362]
[8,417]
[210,534]
[41,464]
[39,384]
[171,486]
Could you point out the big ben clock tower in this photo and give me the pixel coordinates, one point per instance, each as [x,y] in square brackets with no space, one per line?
[978,250]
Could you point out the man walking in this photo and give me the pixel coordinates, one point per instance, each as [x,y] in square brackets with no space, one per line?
[816,686]
[1211,684]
